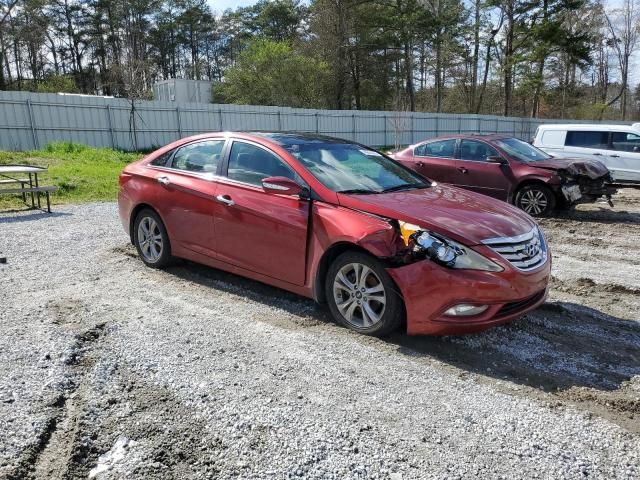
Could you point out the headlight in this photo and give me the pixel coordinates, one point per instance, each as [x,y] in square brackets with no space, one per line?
[444,250]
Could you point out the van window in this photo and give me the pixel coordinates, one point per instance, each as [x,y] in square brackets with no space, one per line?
[586,139]
[553,138]
[625,142]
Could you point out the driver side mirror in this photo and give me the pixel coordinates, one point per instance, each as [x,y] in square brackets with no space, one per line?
[497,159]
[283,186]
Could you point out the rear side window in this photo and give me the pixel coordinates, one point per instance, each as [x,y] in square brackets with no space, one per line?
[201,157]
[162,160]
[250,164]
[440,148]
[476,151]
[625,142]
[587,139]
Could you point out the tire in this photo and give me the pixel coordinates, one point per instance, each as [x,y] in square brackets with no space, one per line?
[153,251]
[376,314]
[537,200]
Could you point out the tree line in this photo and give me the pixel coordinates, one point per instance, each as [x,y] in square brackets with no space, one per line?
[538,58]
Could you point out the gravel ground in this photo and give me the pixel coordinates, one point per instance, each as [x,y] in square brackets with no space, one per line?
[109,369]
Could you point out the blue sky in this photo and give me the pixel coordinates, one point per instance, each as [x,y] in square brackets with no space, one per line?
[221,5]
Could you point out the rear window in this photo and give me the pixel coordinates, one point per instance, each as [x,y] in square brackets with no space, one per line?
[587,139]
[625,142]
[553,138]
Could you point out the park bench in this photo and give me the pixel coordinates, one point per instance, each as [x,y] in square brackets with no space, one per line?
[28,186]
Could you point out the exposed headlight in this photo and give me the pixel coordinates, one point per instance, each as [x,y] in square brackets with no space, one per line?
[444,250]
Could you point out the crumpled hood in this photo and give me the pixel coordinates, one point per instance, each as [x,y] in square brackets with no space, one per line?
[464,216]
[574,166]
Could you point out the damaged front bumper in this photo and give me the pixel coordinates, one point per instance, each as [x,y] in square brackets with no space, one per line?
[583,189]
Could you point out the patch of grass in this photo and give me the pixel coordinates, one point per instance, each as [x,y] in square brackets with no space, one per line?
[81,173]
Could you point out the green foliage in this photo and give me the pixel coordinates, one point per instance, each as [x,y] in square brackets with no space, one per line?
[56,84]
[272,73]
[81,173]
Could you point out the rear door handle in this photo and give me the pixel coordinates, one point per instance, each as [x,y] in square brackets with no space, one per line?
[164,181]
[614,156]
[462,169]
[598,154]
[226,199]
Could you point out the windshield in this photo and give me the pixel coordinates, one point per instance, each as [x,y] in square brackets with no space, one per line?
[350,168]
[522,150]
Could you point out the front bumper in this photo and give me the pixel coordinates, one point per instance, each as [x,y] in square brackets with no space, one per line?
[429,290]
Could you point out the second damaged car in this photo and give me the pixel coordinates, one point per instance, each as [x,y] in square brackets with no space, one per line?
[511,170]
[340,223]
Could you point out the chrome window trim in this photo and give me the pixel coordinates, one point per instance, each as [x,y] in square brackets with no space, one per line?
[515,239]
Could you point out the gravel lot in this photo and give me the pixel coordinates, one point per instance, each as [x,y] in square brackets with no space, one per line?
[109,369]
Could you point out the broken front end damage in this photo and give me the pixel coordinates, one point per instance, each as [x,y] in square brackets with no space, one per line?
[578,188]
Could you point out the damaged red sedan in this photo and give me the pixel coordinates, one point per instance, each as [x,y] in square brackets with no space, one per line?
[340,223]
[511,170]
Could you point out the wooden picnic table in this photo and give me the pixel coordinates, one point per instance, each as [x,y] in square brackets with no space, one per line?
[27,177]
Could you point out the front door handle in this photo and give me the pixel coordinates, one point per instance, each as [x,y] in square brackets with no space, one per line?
[420,164]
[462,170]
[598,154]
[614,156]
[164,181]
[226,199]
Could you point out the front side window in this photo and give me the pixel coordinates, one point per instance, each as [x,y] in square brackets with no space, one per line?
[522,151]
[250,164]
[587,139]
[201,157]
[476,151]
[625,142]
[352,168]
[441,148]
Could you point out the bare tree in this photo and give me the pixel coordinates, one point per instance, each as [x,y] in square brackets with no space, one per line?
[624,26]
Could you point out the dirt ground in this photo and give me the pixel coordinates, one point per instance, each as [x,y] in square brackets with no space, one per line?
[109,369]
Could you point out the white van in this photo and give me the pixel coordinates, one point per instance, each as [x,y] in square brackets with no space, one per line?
[617,146]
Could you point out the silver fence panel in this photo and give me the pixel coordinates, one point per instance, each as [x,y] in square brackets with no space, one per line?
[32,120]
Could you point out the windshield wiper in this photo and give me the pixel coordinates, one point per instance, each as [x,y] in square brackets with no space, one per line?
[405,186]
[362,191]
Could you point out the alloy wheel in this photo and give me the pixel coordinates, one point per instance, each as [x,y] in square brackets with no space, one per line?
[150,239]
[359,295]
[534,202]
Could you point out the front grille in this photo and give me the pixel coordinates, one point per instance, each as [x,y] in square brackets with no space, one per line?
[525,252]
[514,307]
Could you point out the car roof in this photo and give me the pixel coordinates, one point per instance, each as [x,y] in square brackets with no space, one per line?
[473,136]
[297,138]
[635,128]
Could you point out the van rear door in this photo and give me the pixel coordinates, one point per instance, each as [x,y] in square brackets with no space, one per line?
[624,156]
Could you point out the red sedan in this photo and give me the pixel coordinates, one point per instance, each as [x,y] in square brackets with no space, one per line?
[340,223]
[511,170]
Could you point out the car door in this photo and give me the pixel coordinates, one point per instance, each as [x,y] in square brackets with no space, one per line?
[624,156]
[477,174]
[186,197]
[591,144]
[260,231]
[435,159]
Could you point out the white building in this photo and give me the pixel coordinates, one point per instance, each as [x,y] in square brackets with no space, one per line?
[181,90]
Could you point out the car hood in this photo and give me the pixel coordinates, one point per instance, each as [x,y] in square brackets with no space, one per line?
[464,216]
[573,166]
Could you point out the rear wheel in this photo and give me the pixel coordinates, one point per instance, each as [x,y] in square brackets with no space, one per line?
[151,239]
[536,200]
[362,296]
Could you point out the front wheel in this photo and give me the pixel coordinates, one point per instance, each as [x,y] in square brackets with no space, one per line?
[362,296]
[536,200]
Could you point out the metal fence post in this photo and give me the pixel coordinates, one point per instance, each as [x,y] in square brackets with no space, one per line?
[413,128]
[317,122]
[437,126]
[279,121]
[180,134]
[353,127]
[459,124]
[34,135]
[110,123]
[221,125]
[386,119]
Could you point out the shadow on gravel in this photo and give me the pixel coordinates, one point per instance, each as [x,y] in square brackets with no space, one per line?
[29,216]
[602,215]
[557,347]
